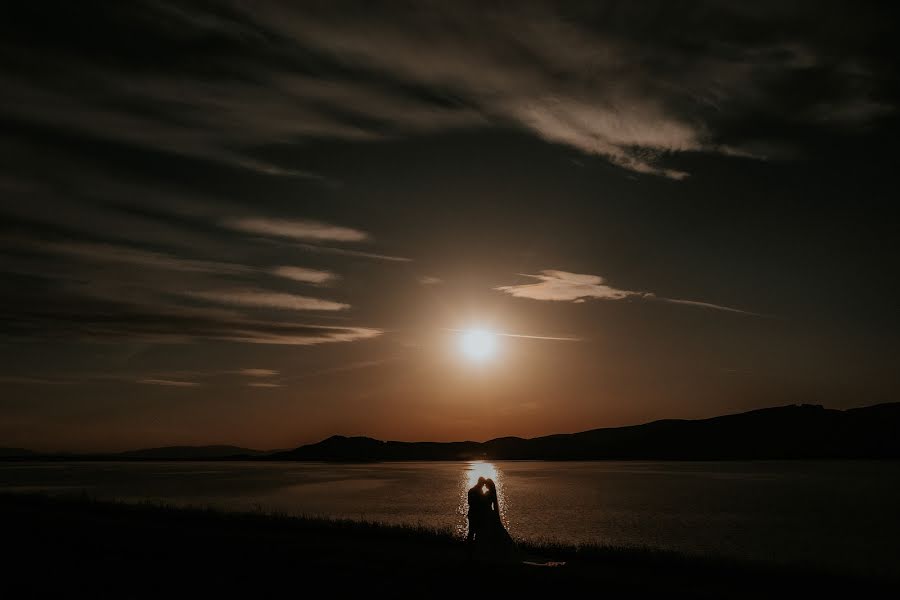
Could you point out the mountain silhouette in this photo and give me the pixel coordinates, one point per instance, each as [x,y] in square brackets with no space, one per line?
[786,432]
[16,453]
[190,453]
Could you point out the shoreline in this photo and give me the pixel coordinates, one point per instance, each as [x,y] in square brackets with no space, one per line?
[101,459]
[181,547]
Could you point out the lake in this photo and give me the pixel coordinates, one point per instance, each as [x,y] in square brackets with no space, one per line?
[839,514]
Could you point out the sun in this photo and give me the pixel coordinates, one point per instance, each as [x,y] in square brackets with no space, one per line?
[478,345]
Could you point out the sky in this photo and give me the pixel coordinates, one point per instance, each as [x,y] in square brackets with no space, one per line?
[261,223]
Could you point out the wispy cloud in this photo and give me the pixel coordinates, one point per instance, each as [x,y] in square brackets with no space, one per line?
[257,372]
[304,275]
[113,292]
[22,380]
[704,305]
[539,337]
[628,83]
[317,334]
[265,299]
[427,280]
[75,315]
[296,229]
[633,122]
[354,253]
[613,131]
[168,382]
[611,80]
[120,253]
[558,338]
[354,366]
[175,378]
[563,286]
[128,255]
[323,249]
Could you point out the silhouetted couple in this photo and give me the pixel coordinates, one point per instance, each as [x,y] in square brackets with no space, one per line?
[487,534]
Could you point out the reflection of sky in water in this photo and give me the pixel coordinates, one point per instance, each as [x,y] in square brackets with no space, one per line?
[832,513]
[468,478]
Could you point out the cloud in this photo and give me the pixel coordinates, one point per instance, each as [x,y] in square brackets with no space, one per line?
[168,382]
[562,286]
[86,114]
[178,378]
[304,275]
[635,84]
[611,132]
[629,83]
[705,305]
[266,299]
[296,229]
[75,317]
[20,380]
[427,280]
[566,83]
[564,338]
[322,249]
[317,334]
[114,293]
[539,337]
[257,372]
[363,364]
[354,253]
[118,253]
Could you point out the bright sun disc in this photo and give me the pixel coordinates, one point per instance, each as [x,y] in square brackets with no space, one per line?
[478,344]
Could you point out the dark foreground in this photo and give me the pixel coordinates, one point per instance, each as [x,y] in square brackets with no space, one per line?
[76,547]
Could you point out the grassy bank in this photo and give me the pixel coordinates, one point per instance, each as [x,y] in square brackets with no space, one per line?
[77,547]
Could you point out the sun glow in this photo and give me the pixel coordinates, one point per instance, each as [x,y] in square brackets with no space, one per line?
[478,345]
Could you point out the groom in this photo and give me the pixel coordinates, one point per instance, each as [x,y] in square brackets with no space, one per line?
[477,509]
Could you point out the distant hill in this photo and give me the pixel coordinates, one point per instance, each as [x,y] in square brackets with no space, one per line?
[361,449]
[786,432]
[16,453]
[164,453]
[189,453]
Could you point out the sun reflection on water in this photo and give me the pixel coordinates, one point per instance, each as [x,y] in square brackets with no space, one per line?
[478,469]
[472,470]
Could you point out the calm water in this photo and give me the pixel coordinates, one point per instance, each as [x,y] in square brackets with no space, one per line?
[845,515]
